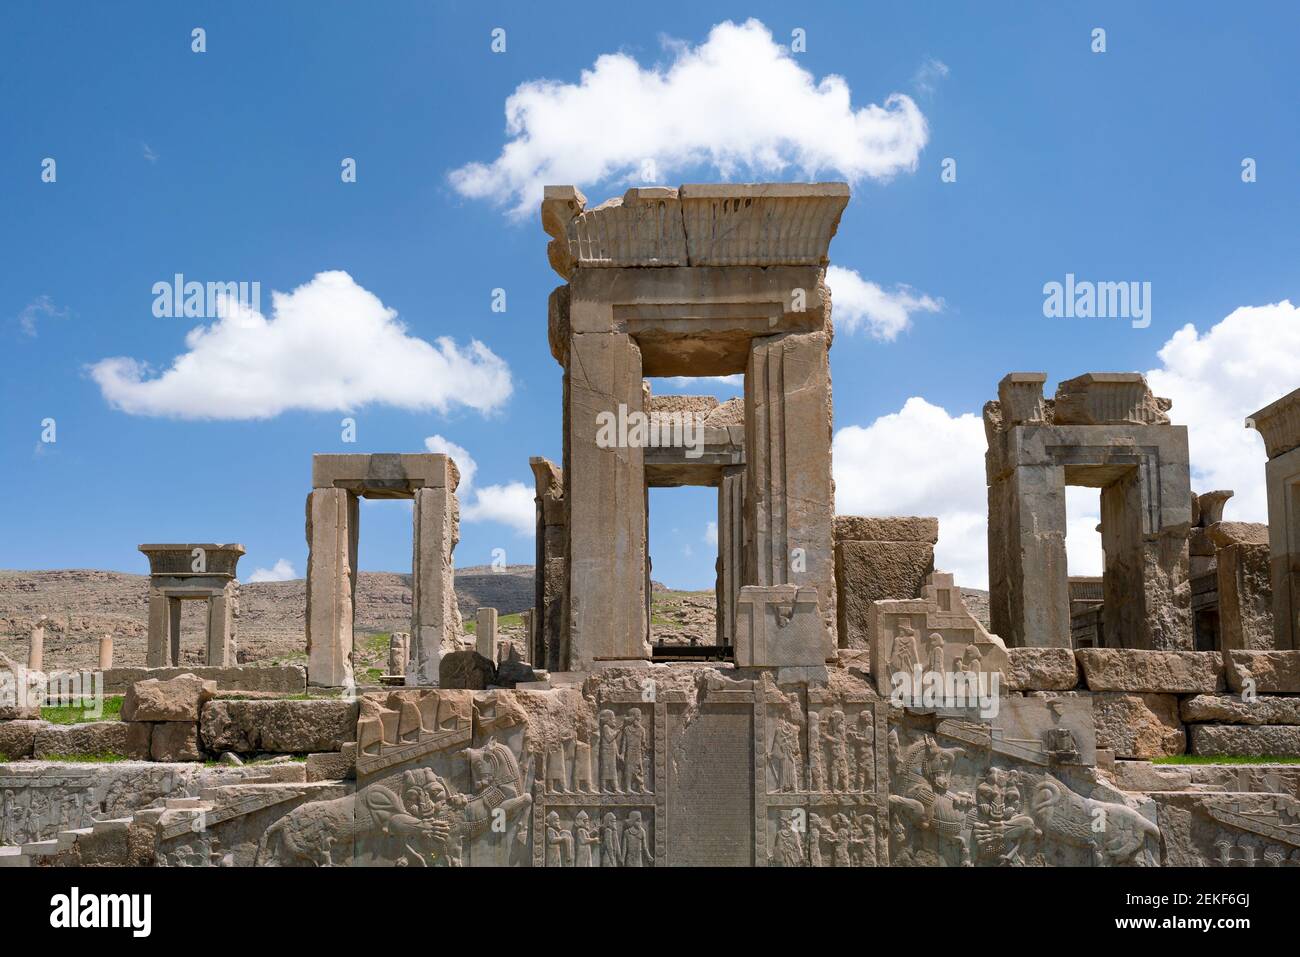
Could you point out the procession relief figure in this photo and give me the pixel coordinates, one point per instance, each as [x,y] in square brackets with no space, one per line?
[1058,740]
[816,766]
[632,751]
[934,662]
[609,748]
[557,776]
[843,841]
[587,839]
[816,829]
[970,660]
[837,747]
[7,817]
[903,659]
[789,845]
[786,756]
[559,842]
[636,850]
[582,780]
[862,737]
[611,844]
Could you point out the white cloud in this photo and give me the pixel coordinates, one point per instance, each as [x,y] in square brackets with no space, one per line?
[330,345]
[281,571]
[739,102]
[711,534]
[37,311]
[464,461]
[928,75]
[1083,555]
[511,504]
[1241,364]
[856,301]
[921,461]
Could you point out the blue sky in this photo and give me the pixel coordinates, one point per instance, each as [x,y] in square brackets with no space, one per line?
[225,166]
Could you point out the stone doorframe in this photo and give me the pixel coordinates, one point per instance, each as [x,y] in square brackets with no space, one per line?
[202,571]
[1105,431]
[338,482]
[697,281]
[1279,424]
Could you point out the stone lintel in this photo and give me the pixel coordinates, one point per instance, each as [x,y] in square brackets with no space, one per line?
[384,474]
[1279,424]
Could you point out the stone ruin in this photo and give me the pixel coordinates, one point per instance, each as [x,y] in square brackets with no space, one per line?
[854,711]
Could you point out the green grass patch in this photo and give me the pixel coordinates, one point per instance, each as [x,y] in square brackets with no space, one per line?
[378,642]
[372,675]
[78,714]
[1227,759]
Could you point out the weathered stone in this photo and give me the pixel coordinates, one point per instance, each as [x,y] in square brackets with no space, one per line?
[779,626]
[869,571]
[287,727]
[485,633]
[1279,424]
[1268,671]
[1225,709]
[22,691]
[280,679]
[1175,672]
[1145,776]
[17,738]
[895,528]
[1239,739]
[139,740]
[332,765]
[466,669]
[1224,534]
[175,741]
[175,699]
[203,571]
[1245,597]
[80,740]
[1041,669]
[331,585]
[1138,725]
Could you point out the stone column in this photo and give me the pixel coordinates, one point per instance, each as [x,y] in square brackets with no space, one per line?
[105,652]
[36,650]
[550,576]
[221,627]
[174,612]
[790,506]
[1029,585]
[435,616]
[331,585]
[731,544]
[159,630]
[485,634]
[604,502]
[1279,423]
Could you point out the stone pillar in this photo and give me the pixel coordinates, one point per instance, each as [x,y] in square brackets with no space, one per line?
[435,616]
[731,549]
[485,634]
[1029,586]
[174,613]
[790,505]
[105,652]
[159,630]
[604,501]
[1245,597]
[331,585]
[221,627]
[398,648]
[1279,423]
[550,575]
[36,649]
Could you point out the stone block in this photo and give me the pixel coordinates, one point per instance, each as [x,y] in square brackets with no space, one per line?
[870,571]
[139,740]
[17,738]
[1139,725]
[175,699]
[1172,672]
[80,740]
[380,475]
[175,741]
[1270,671]
[1232,739]
[332,765]
[895,528]
[1232,709]
[1145,776]
[1041,669]
[280,726]
[466,669]
[779,626]
[279,679]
